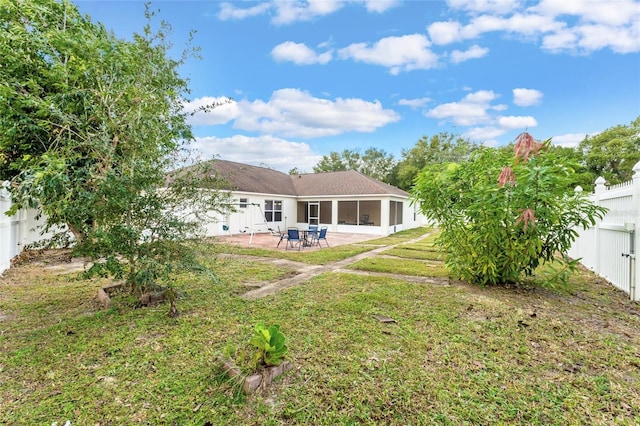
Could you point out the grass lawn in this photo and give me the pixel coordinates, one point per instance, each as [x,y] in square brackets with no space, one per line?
[456,354]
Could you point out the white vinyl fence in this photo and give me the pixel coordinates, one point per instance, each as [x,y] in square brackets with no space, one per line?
[609,248]
[16,231]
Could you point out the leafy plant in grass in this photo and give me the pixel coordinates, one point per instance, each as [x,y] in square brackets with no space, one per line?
[270,343]
[503,215]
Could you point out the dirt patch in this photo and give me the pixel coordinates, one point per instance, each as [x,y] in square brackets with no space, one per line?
[56,261]
[42,256]
[67,268]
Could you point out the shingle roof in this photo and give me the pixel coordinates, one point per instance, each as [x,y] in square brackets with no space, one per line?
[348,182]
[247,178]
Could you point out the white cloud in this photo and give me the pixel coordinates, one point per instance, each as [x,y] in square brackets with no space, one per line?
[275,153]
[616,13]
[379,6]
[299,54]
[569,140]
[284,11]
[526,97]
[295,113]
[476,109]
[491,6]
[228,11]
[290,11]
[473,52]
[481,96]
[597,37]
[404,53]
[559,40]
[517,122]
[219,115]
[577,26]
[442,33]
[590,38]
[527,25]
[485,135]
[470,111]
[415,103]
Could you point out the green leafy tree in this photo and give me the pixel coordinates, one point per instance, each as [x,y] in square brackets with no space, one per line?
[612,153]
[439,149]
[337,162]
[572,158]
[375,163]
[90,124]
[502,215]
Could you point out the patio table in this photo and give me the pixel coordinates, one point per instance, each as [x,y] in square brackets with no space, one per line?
[304,235]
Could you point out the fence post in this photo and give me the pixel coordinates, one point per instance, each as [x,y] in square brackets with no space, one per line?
[600,188]
[577,246]
[635,265]
[6,246]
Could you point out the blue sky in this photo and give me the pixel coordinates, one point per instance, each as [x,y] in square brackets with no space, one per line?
[311,77]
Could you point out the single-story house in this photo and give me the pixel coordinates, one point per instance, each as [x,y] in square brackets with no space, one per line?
[267,200]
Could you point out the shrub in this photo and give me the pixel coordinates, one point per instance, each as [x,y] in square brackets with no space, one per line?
[502,215]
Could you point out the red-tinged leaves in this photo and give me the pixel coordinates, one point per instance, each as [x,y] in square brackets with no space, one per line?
[527,218]
[506,177]
[526,146]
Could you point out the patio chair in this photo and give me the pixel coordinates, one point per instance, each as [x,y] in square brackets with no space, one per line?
[293,238]
[283,237]
[322,236]
[313,231]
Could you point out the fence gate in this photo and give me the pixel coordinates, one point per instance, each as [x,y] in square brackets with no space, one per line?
[609,248]
[616,255]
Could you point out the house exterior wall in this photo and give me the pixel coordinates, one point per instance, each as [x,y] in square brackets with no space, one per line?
[251,218]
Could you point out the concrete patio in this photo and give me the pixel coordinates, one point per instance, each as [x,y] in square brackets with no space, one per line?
[268,241]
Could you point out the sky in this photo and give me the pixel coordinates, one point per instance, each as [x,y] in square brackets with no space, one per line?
[310,77]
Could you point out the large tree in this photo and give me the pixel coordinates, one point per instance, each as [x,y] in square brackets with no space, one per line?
[89,126]
[375,163]
[613,153]
[438,149]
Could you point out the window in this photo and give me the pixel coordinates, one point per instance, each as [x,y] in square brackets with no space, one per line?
[359,212]
[395,213]
[369,212]
[273,210]
[243,203]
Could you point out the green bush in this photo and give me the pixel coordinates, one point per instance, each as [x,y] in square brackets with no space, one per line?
[501,214]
